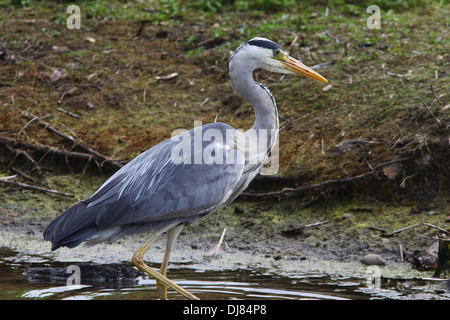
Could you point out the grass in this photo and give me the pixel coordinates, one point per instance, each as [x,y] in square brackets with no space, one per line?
[376,76]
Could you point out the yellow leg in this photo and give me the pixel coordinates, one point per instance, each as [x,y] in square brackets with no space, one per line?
[172,235]
[140,264]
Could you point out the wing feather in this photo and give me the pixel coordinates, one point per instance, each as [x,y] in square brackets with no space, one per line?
[152,189]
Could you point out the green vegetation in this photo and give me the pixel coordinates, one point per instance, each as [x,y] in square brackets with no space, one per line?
[376,75]
[387,86]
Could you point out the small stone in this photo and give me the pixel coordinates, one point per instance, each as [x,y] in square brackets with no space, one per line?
[427,260]
[373,260]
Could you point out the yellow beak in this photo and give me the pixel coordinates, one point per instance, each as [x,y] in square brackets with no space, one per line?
[297,67]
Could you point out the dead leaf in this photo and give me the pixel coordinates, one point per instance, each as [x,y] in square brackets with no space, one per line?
[446,107]
[392,170]
[73,91]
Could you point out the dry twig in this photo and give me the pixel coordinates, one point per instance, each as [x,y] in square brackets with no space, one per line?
[435,96]
[413,226]
[27,186]
[101,158]
[435,238]
[220,241]
[20,152]
[299,229]
[21,173]
[73,115]
[426,106]
[325,183]
[10,144]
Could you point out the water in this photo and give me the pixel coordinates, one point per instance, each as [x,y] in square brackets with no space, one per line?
[231,284]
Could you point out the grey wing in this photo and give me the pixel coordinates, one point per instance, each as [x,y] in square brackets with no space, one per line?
[152,191]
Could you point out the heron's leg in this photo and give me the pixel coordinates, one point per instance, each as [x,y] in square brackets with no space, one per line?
[138,260]
[172,235]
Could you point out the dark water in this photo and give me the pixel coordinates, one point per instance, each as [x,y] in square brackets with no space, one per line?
[242,284]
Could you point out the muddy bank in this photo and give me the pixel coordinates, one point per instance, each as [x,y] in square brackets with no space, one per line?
[289,243]
[264,232]
[281,256]
[102,90]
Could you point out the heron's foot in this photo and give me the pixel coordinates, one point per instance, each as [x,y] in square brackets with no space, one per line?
[162,289]
[140,264]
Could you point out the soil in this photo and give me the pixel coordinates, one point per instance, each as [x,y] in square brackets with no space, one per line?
[263,233]
[120,86]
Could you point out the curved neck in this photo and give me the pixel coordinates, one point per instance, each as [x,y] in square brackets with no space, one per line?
[266,113]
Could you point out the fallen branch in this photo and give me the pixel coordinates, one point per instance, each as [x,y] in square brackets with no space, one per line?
[102,159]
[435,239]
[20,152]
[401,230]
[413,226]
[436,227]
[27,186]
[325,183]
[11,144]
[383,231]
[21,173]
[298,230]
[70,114]
[320,65]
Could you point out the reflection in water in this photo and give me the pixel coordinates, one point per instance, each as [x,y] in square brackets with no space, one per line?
[49,292]
[146,289]
[237,284]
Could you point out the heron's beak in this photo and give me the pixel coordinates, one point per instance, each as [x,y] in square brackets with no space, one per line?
[297,67]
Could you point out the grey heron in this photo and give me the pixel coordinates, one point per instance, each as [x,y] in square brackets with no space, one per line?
[184,178]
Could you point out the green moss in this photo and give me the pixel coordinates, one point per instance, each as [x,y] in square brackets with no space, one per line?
[19,203]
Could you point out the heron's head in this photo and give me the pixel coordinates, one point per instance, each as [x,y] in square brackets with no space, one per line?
[266,54]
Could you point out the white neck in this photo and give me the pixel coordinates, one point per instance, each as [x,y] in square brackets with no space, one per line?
[266,119]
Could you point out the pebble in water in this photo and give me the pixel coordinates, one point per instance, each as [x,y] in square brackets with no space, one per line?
[373,260]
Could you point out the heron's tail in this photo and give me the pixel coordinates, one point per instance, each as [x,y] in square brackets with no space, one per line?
[71,228]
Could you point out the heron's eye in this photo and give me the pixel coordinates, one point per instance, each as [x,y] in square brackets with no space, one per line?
[277,54]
